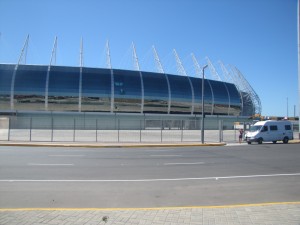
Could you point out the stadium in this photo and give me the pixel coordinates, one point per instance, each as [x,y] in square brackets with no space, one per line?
[117,94]
[91,90]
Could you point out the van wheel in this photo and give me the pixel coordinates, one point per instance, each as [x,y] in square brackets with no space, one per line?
[285,140]
[274,142]
[260,140]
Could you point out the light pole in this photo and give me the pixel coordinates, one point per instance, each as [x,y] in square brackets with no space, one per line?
[202,122]
[298,31]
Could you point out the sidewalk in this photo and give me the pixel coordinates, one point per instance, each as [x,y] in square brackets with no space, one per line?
[121,144]
[262,214]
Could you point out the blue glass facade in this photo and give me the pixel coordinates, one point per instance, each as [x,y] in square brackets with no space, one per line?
[128,91]
[58,88]
[96,89]
[156,94]
[208,96]
[29,88]
[6,72]
[63,89]
[181,94]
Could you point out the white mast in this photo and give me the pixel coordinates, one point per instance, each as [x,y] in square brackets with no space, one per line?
[53,56]
[231,79]
[137,67]
[12,88]
[24,51]
[226,74]
[108,61]
[157,61]
[180,68]
[53,53]
[196,65]
[182,71]
[112,87]
[80,74]
[135,58]
[161,70]
[81,53]
[212,70]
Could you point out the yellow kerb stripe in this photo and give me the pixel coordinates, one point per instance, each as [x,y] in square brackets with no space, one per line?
[154,208]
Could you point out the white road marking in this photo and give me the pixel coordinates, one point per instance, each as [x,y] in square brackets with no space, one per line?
[66,155]
[194,163]
[163,179]
[158,149]
[44,164]
[165,155]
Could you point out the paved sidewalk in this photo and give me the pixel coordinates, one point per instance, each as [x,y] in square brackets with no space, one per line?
[262,214]
[121,144]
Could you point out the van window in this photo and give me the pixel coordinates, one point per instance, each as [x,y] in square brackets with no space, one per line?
[255,128]
[273,127]
[265,129]
[288,127]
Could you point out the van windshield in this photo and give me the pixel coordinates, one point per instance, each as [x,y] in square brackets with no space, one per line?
[255,128]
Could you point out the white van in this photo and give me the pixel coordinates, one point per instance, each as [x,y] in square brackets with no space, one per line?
[270,130]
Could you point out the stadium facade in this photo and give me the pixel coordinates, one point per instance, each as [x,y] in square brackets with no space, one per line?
[112,95]
[74,89]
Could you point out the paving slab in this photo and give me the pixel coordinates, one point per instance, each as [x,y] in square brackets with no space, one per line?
[287,213]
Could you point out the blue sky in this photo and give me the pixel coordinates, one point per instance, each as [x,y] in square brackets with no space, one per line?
[259,37]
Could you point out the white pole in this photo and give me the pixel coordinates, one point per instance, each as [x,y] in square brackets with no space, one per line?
[298,28]
[80,74]
[12,87]
[202,103]
[53,56]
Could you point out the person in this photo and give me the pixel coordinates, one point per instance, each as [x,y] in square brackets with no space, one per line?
[241,135]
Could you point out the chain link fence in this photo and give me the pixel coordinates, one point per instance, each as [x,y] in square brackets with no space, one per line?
[49,129]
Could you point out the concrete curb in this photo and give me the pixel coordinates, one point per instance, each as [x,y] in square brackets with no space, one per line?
[266,213]
[116,145]
[107,145]
[154,208]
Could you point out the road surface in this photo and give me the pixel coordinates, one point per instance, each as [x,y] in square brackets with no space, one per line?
[43,177]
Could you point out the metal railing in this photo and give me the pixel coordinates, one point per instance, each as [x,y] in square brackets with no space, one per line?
[49,129]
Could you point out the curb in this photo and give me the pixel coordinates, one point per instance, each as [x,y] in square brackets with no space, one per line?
[153,208]
[117,145]
[105,145]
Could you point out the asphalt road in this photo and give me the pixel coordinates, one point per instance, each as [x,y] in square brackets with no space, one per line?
[42,177]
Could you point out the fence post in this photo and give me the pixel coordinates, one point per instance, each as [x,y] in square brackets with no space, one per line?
[30,127]
[118,130]
[181,130]
[8,134]
[161,128]
[235,133]
[220,130]
[140,131]
[52,125]
[202,129]
[74,130]
[96,130]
